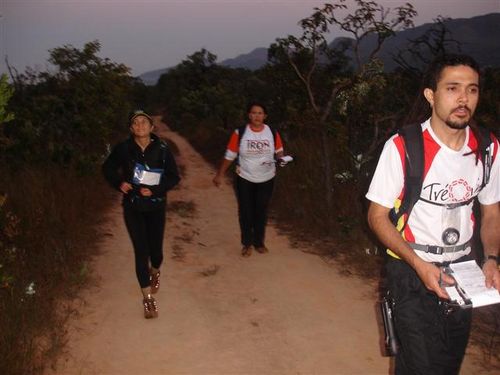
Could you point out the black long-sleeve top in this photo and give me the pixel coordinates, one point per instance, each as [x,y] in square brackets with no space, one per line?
[119,166]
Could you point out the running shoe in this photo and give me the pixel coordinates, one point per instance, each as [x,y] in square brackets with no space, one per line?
[150,307]
[246,251]
[262,249]
[154,281]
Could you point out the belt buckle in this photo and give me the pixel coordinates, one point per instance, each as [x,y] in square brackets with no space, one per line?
[438,250]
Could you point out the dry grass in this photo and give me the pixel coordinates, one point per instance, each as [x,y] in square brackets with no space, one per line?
[178,253]
[48,236]
[210,271]
[186,237]
[182,208]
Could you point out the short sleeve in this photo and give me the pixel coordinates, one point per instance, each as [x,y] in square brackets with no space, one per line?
[279,143]
[232,146]
[388,179]
[490,194]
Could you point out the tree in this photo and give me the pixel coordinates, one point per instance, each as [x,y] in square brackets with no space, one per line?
[6,92]
[331,86]
[436,41]
[69,115]
[204,91]
[488,111]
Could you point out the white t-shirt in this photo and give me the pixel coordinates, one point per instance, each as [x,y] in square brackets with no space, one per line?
[450,177]
[256,156]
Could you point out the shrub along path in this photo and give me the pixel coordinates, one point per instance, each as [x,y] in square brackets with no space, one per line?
[285,312]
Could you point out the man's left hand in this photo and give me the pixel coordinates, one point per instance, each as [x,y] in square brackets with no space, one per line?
[490,270]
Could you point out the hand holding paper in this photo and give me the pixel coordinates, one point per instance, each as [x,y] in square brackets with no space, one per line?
[284,160]
[471,281]
[490,269]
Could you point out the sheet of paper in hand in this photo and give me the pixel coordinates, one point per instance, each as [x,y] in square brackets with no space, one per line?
[143,175]
[471,284]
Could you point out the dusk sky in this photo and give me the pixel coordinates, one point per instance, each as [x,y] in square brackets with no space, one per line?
[147,35]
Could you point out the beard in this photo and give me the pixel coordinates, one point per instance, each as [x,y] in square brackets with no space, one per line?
[459,124]
[456,124]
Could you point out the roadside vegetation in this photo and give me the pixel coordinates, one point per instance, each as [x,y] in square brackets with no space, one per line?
[333,108]
[54,134]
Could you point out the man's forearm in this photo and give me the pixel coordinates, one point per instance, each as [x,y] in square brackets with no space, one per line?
[490,237]
[490,230]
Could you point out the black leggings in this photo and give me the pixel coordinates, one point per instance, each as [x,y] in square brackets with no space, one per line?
[253,202]
[146,232]
[431,343]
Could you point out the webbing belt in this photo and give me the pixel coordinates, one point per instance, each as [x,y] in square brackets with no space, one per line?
[439,249]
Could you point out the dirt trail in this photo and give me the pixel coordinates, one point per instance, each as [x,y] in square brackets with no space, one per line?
[285,312]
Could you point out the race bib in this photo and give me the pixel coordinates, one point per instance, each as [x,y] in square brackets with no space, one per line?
[143,175]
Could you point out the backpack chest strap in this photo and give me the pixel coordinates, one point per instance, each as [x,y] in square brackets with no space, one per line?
[440,249]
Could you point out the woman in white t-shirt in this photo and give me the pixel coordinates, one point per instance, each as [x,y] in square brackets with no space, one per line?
[257,149]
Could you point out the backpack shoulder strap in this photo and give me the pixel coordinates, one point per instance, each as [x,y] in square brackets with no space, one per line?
[241,131]
[484,144]
[414,171]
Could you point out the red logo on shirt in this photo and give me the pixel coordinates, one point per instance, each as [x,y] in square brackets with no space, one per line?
[455,192]
[459,191]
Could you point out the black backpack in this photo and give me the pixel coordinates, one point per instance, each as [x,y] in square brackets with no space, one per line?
[414,167]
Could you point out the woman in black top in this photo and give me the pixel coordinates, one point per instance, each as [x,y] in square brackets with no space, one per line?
[143,169]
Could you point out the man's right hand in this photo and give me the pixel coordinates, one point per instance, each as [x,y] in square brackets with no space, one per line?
[433,277]
[125,187]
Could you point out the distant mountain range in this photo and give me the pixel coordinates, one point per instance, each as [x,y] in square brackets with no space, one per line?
[479,37]
[151,78]
[252,60]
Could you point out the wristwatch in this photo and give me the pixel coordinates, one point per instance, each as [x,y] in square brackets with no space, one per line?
[492,257]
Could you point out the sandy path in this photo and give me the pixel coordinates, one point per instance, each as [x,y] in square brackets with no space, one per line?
[286,312]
